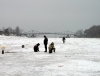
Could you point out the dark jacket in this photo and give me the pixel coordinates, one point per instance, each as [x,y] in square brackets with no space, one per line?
[63,39]
[36,47]
[45,41]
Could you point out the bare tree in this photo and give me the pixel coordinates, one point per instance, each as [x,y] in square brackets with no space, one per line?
[10,30]
[17,31]
[79,33]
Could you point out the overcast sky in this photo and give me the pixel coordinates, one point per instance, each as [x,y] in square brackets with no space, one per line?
[50,15]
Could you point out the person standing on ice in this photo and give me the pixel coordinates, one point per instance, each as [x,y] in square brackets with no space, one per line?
[51,47]
[63,39]
[45,43]
[36,47]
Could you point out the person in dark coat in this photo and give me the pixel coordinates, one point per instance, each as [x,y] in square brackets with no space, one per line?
[63,39]
[45,43]
[36,47]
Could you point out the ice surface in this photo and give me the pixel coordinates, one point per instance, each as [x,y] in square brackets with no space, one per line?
[77,57]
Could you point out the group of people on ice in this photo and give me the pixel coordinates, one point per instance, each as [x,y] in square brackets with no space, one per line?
[51,46]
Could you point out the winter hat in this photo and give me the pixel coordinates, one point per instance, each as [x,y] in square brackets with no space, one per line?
[44,36]
[38,44]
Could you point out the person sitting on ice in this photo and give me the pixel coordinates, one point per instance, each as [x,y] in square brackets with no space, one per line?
[51,47]
[36,47]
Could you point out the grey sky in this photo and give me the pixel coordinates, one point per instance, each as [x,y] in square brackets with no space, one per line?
[50,15]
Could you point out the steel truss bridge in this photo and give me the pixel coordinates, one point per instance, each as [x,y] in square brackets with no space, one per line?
[34,33]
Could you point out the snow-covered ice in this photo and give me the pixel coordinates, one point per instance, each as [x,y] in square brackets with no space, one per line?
[77,57]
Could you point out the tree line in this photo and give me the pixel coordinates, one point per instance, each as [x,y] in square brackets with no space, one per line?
[92,32]
[9,31]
